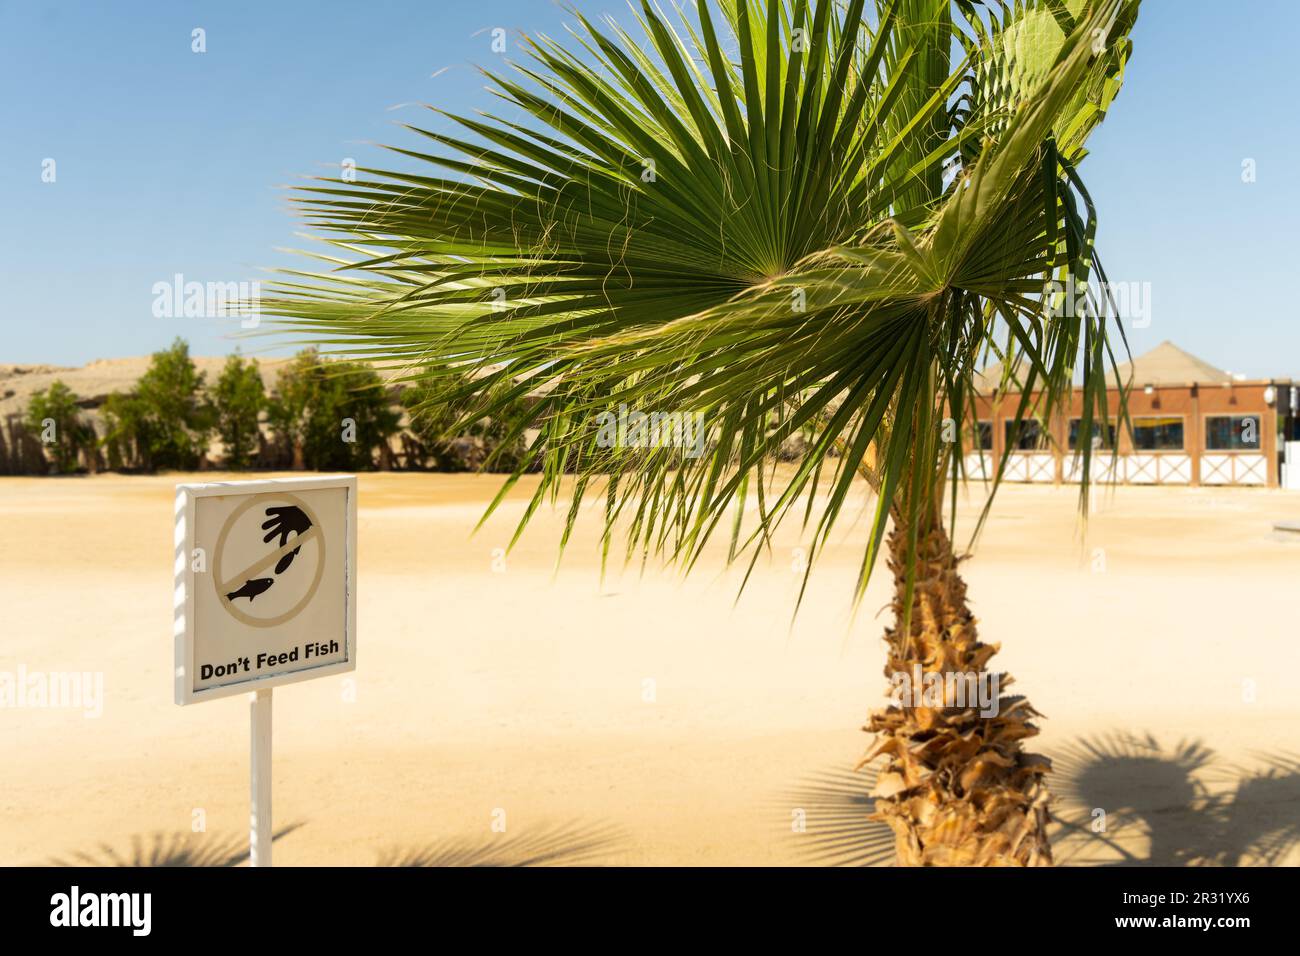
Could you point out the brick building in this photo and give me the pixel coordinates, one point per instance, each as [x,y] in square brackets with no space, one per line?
[1192,424]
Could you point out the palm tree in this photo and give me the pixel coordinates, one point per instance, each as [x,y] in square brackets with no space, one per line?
[780,217]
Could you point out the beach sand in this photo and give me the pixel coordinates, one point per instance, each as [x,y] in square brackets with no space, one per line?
[651,718]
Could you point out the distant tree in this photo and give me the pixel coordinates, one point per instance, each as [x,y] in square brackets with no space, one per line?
[128,433]
[331,415]
[165,423]
[444,441]
[237,399]
[286,410]
[358,406]
[55,418]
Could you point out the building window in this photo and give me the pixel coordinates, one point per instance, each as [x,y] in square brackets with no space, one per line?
[1028,436]
[1098,441]
[984,436]
[1158,434]
[1232,433]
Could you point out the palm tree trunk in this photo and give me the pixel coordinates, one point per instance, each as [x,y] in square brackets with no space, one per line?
[957,789]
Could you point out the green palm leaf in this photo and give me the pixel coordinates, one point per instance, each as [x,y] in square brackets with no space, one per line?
[780,216]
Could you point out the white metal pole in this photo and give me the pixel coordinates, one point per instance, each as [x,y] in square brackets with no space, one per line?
[259,836]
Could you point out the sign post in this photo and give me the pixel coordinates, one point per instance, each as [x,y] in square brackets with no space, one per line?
[265,595]
[260,829]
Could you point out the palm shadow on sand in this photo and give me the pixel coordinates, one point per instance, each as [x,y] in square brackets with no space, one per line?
[567,844]
[832,806]
[179,848]
[1165,806]
[1173,806]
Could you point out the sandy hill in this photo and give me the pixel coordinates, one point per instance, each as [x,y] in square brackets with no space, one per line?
[95,381]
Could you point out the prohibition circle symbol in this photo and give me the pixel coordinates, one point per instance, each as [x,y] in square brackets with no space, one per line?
[225,588]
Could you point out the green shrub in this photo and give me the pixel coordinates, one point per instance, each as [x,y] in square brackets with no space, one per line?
[442,441]
[55,418]
[237,400]
[331,415]
[165,422]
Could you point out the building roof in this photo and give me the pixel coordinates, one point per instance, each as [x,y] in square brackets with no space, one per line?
[988,378]
[1167,364]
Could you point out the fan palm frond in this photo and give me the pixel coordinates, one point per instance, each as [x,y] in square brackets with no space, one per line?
[772,216]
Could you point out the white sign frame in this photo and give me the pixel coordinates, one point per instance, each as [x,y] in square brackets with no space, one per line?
[183,629]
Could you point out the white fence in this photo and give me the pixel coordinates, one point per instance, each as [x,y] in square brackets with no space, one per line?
[1143,468]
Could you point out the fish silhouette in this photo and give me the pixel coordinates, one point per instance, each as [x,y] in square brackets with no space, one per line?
[251,589]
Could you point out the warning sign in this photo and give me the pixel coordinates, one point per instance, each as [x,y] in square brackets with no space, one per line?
[265,584]
[289,526]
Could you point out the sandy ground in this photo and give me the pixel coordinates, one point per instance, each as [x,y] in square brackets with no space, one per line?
[648,719]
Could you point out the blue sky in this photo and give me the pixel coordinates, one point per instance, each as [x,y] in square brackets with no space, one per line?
[169,161]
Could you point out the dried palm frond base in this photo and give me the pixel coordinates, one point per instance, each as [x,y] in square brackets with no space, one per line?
[957,788]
